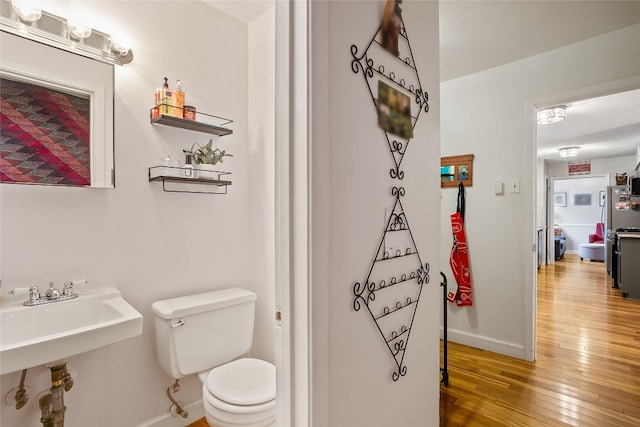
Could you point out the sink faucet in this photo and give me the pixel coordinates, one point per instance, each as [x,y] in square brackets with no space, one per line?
[51,294]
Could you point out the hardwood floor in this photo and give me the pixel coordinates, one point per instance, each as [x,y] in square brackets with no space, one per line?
[587,371]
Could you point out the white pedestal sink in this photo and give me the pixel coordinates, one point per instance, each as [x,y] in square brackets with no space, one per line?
[44,334]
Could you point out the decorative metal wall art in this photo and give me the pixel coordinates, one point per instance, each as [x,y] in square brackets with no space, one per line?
[392,288]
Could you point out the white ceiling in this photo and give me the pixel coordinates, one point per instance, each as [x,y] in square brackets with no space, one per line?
[603,127]
[243,10]
[479,34]
[476,35]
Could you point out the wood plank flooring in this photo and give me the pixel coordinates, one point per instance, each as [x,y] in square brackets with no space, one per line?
[587,371]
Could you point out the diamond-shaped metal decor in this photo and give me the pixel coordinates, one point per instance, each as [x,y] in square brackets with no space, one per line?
[405,79]
[393,285]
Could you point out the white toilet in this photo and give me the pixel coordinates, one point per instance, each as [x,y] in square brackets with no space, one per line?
[205,334]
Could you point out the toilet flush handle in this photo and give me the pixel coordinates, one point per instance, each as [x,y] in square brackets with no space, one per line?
[178,323]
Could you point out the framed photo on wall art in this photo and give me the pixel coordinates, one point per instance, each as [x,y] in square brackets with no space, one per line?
[560,200]
[394,111]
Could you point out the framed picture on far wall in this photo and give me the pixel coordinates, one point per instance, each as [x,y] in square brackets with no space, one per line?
[582,199]
[560,200]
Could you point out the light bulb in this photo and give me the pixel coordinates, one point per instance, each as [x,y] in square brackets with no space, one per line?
[120,44]
[78,29]
[28,11]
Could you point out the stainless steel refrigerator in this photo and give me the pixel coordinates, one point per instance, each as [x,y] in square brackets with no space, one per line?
[619,215]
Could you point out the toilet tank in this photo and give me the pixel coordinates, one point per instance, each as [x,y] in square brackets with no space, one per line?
[195,333]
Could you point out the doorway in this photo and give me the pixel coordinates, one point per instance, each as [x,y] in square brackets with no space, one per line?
[578,205]
[615,105]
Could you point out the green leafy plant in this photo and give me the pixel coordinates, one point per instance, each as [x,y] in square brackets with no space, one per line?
[206,154]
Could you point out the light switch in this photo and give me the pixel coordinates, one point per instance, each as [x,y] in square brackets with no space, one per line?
[497,187]
[514,185]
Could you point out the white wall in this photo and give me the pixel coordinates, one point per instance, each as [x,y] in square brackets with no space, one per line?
[501,229]
[578,221]
[350,162]
[150,244]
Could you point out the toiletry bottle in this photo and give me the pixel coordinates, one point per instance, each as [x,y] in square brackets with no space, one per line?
[157,100]
[188,167]
[167,98]
[179,100]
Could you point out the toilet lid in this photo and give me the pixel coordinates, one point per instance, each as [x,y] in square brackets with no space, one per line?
[243,382]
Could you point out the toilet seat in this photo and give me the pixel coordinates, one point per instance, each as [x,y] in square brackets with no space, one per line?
[241,386]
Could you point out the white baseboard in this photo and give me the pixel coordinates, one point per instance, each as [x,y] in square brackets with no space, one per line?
[195,410]
[485,343]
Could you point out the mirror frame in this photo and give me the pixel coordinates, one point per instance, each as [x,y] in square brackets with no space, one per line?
[32,62]
[457,162]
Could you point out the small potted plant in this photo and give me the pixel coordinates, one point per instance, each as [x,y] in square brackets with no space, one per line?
[206,157]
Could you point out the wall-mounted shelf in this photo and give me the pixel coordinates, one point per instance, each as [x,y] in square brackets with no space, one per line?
[206,123]
[174,175]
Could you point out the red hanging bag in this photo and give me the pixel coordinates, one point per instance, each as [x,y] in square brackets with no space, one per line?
[459,258]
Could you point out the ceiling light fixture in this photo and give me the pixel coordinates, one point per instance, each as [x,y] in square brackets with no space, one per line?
[552,114]
[569,151]
[25,19]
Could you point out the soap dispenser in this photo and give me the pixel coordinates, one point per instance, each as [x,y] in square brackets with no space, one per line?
[167,98]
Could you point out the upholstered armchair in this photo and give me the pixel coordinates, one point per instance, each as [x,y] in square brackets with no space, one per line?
[598,237]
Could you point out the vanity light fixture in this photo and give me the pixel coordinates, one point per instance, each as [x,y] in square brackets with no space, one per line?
[569,151]
[24,18]
[552,114]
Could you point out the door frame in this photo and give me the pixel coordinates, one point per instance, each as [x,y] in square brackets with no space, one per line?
[291,215]
[532,106]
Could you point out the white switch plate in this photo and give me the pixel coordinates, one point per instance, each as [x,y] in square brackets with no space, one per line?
[497,187]
[514,185]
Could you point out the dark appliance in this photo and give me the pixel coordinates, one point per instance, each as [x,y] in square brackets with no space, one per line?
[635,186]
[615,260]
[618,215]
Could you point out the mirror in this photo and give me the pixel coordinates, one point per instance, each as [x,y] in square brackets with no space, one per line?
[456,169]
[57,110]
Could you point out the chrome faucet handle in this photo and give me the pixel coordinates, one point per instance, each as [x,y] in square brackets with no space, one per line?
[68,288]
[34,294]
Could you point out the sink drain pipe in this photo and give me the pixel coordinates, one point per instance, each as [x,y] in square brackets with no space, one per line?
[21,394]
[52,404]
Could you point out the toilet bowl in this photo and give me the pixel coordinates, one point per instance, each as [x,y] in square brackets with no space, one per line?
[240,393]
